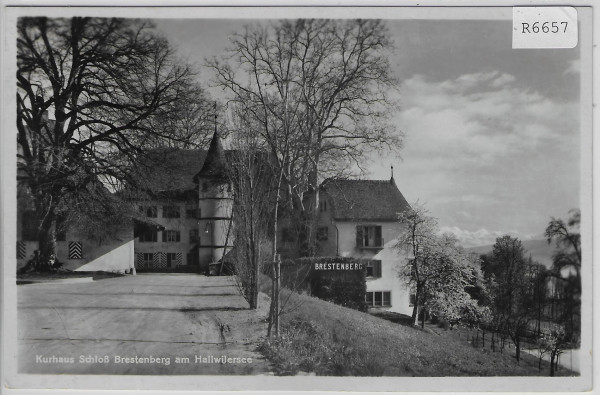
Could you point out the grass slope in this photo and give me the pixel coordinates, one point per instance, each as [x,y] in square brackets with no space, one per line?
[328,339]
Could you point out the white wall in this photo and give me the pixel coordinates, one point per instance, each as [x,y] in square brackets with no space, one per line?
[120,259]
[390,258]
[182,224]
[111,254]
[391,261]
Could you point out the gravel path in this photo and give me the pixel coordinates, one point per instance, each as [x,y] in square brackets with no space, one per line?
[139,325]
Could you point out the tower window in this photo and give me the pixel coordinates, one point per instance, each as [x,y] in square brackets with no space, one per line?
[323,205]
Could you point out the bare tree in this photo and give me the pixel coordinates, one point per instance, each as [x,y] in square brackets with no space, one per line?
[320,90]
[108,82]
[253,193]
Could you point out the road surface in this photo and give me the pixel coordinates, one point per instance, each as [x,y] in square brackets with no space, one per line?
[174,324]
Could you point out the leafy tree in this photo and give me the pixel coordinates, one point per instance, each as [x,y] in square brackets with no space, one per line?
[566,269]
[320,91]
[514,305]
[109,83]
[537,276]
[568,240]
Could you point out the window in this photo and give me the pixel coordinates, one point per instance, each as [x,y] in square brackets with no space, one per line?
[378,299]
[194,236]
[171,259]
[148,236]
[369,236]
[171,236]
[148,259]
[149,211]
[287,236]
[323,205]
[323,233]
[192,213]
[171,212]
[373,268]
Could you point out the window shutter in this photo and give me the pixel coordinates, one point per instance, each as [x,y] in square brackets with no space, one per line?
[178,236]
[75,250]
[359,236]
[164,236]
[377,269]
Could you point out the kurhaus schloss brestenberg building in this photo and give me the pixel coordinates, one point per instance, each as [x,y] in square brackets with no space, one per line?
[189,229]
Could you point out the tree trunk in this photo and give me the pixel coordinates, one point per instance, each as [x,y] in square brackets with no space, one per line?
[46,230]
[277,294]
[274,308]
[552,358]
[415,312]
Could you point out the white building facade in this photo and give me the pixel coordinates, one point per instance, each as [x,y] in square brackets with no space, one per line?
[358,218]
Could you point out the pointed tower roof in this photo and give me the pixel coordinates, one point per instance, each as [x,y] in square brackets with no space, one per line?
[215,163]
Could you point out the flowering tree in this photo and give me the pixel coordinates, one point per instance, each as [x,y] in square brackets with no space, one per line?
[553,340]
[438,269]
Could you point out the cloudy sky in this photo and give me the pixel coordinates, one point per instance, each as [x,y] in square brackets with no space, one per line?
[491,132]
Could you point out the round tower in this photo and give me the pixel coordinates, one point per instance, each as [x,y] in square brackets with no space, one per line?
[215,202]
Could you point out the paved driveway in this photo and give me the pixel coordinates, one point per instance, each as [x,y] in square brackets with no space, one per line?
[139,325]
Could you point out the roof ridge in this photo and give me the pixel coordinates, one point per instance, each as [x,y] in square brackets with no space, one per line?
[356,180]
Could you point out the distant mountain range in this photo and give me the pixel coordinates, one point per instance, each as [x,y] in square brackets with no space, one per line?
[540,250]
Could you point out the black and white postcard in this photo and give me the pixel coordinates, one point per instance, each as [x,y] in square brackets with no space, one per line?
[297,198]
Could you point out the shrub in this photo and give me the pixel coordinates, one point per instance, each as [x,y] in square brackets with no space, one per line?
[343,287]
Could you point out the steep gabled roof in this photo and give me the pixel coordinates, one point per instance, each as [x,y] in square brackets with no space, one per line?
[170,169]
[365,200]
[215,164]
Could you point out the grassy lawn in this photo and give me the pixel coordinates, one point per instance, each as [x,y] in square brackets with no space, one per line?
[328,339]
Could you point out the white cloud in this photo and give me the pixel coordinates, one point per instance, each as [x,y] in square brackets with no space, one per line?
[486,152]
